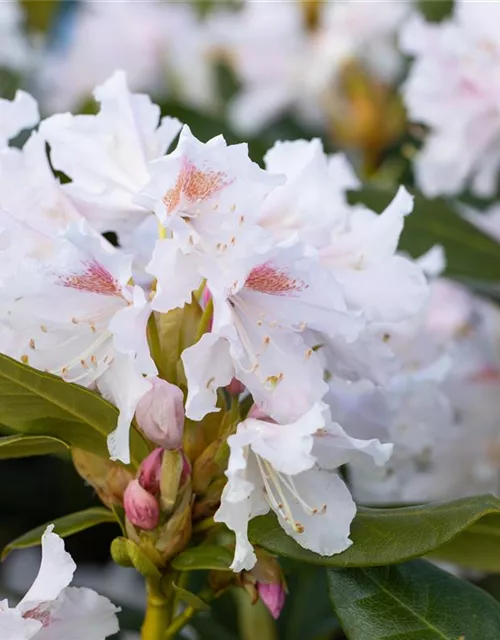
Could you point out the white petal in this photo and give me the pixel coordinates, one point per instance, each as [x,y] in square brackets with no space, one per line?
[286,446]
[124,387]
[208,366]
[55,574]
[333,448]
[16,115]
[433,262]
[241,500]
[327,531]
[106,154]
[392,290]
[128,326]
[176,273]
[14,627]
[81,614]
[283,374]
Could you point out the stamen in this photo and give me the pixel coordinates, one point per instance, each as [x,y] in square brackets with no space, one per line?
[272,483]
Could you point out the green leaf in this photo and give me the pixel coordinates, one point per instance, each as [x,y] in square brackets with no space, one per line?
[19,446]
[411,601]
[477,547]
[64,527]
[470,253]
[37,403]
[205,557]
[384,536]
[190,598]
[307,613]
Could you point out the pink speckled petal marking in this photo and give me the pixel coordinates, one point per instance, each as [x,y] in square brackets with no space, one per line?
[40,613]
[94,279]
[267,278]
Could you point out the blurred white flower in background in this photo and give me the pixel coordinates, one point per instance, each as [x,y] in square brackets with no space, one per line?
[285,63]
[454,89]
[162,46]
[15,50]
[441,411]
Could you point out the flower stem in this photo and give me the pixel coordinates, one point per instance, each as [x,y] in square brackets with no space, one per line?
[207,595]
[179,623]
[158,615]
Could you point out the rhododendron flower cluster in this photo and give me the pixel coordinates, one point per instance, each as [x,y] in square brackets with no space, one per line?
[453,89]
[232,304]
[300,290]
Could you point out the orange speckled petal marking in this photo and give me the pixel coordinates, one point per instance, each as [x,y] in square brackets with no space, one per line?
[195,185]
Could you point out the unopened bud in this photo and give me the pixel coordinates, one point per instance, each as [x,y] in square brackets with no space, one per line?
[141,508]
[172,467]
[150,471]
[160,414]
[109,479]
[273,596]
[175,534]
[235,388]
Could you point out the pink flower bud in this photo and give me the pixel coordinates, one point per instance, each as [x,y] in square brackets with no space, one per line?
[235,387]
[273,596]
[160,414]
[150,471]
[141,508]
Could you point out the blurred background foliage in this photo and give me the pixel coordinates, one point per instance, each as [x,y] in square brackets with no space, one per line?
[37,490]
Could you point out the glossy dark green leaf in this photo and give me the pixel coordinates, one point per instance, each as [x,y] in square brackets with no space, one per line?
[412,601]
[209,557]
[37,403]
[470,254]
[64,527]
[478,547]
[384,536]
[19,446]
[307,614]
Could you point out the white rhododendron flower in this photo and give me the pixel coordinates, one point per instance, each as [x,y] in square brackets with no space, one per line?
[29,190]
[106,155]
[453,88]
[283,63]
[67,308]
[259,335]
[268,47]
[163,47]
[52,610]
[290,468]
[16,115]
[384,289]
[440,411]
[207,196]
